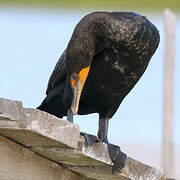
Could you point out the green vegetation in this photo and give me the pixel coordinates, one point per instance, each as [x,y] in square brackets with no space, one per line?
[102,4]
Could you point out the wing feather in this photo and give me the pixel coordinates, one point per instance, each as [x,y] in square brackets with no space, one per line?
[59,73]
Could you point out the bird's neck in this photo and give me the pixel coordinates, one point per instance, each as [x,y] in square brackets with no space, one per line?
[80,52]
[86,41]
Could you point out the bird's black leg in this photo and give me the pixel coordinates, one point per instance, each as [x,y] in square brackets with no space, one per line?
[103,129]
[70,115]
[102,132]
[117,157]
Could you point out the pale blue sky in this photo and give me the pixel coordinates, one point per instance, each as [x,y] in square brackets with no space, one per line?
[30,45]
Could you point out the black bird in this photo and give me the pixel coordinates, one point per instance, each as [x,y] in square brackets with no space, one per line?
[105,57]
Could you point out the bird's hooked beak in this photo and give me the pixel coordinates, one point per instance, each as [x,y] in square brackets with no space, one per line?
[77,83]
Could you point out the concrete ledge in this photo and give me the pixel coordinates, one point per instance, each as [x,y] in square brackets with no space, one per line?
[59,141]
[19,163]
[32,127]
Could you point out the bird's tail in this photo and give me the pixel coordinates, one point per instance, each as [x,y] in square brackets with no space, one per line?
[53,103]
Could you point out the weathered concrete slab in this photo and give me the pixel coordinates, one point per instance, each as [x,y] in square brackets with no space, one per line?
[19,163]
[94,162]
[96,155]
[32,127]
[60,141]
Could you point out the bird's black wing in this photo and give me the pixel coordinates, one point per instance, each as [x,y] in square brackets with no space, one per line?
[59,73]
[53,102]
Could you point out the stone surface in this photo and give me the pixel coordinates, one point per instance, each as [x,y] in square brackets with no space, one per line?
[32,127]
[94,162]
[96,155]
[19,163]
[60,142]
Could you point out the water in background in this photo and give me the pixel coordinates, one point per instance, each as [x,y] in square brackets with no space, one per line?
[31,41]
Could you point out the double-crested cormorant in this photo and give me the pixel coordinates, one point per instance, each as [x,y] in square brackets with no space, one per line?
[106,56]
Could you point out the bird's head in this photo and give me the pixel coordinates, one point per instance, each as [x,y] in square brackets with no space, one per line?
[80,52]
[77,81]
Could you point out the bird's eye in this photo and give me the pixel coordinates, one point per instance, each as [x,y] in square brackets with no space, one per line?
[75,76]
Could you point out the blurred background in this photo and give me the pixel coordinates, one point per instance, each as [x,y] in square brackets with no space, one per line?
[35,33]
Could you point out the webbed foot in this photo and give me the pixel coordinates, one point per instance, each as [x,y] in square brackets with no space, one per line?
[90,139]
[117,157]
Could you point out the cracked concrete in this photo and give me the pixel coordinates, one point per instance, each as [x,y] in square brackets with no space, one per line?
[59,143]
